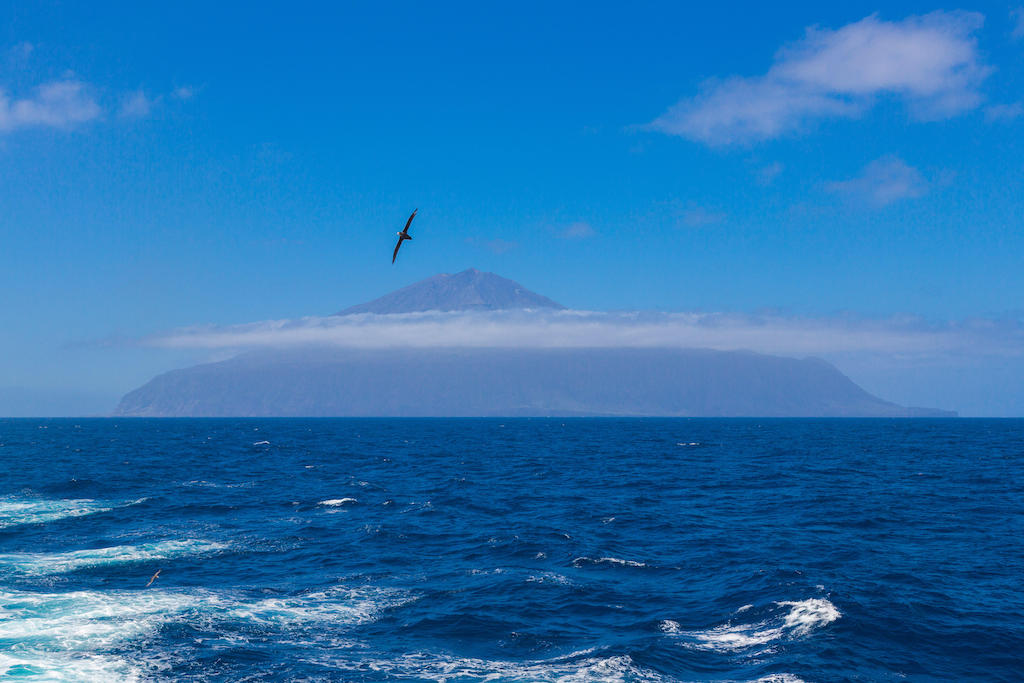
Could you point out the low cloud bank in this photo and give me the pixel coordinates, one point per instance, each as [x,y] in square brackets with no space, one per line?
[766,333]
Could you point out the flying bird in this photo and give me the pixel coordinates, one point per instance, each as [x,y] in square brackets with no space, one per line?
[404,235]
[153,578]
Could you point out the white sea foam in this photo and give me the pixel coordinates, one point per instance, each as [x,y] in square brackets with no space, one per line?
[79,635]
[580,561]
[785,621]
[58,668]
[806,615]
[579,667]
[550,577]
[38,564]
[15,511]
[337,502]
[339,605]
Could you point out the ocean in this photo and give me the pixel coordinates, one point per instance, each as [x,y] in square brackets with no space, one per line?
[512,550]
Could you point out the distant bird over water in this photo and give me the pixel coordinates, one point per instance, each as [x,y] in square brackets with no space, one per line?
[153,578]
[404,235]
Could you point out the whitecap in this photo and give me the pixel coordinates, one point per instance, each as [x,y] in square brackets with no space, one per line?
[580,561]
[806,615]
[58,668]
[16,511]
[550,577]
[260,443]
[337,502]
[38,564]
[84,635]
[785,621]
[578,667]
[339,605]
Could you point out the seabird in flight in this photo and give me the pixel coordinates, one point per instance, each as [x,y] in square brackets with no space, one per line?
[153,578]
[404,235]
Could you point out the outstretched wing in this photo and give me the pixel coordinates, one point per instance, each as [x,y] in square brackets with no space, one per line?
[409,222]
[397,246]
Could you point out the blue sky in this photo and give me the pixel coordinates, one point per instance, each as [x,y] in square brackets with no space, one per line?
[163,167]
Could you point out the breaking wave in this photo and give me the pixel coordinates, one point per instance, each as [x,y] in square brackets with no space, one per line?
[15,511]
[38,564]
[782,621]
[81,635]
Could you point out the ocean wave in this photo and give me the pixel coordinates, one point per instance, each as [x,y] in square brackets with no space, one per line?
[39,564]
[550,577]
[58,668]
[338,502]
[16,511]
[581,561]
[579,667]
[339,605]
[784,621]
[201,483]
[82,635]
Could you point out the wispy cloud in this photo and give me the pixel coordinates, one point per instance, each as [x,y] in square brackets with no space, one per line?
[577,231]
[135,105]
[1004,112]
[138,104]
[769,333]
[931,62]
[495,245]
[883,182]
[1018,16]
[767,174]
[59,104]
[20,53]
[699,216]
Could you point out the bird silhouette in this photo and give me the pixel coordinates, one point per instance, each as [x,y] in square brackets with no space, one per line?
[153,578]
[404,235]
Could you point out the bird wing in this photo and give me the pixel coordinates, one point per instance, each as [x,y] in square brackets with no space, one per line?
[397,246]
[409,222]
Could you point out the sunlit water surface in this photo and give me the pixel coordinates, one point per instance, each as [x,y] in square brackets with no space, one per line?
[512,550]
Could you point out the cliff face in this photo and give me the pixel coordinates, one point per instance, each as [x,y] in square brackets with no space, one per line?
[509,382]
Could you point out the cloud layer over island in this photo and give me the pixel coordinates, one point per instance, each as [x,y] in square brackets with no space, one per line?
[766,333]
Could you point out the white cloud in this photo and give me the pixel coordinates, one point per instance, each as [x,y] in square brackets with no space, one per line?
[930,62]
[766,175]
[698,216]
[577,231]
[1004,112]
[135,105]
[583,329]
[138,104]
[883,182]
[60,104]
[21,52]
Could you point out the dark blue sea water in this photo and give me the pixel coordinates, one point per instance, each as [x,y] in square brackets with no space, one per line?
[512,550]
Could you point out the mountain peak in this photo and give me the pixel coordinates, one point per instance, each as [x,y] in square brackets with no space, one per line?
[470,290]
